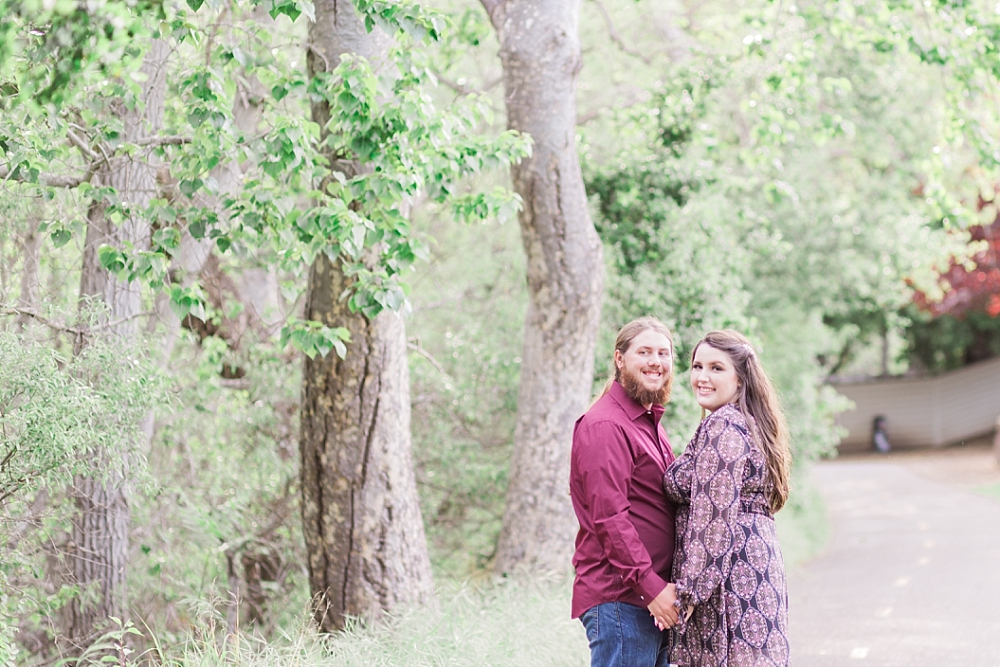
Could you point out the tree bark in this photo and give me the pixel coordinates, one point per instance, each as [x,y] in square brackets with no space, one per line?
[540,53]
[31,248]
[361,516]
[99,549]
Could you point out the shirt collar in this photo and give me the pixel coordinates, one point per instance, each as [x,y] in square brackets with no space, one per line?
[633,409]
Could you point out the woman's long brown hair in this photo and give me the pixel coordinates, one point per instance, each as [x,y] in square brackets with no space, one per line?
[760,405]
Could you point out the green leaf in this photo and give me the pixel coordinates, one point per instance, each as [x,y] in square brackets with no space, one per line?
[190,187]
[111,259]
[60,237]
[197,229]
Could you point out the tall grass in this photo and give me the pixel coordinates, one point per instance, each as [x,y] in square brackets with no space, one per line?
[493,625]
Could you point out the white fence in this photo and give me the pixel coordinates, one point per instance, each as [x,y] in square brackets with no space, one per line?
[931,411]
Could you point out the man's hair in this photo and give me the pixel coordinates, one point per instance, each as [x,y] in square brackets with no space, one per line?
[759,403]
[623,342]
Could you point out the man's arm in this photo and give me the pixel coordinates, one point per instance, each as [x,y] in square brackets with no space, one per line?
[604,467]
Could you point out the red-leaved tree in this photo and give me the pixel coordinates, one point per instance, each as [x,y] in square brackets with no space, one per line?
[971,289]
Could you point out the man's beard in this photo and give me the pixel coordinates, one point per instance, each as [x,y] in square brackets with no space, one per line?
[632,383]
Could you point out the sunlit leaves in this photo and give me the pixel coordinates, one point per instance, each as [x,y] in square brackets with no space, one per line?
[312,338]
[402,15]
[295,199]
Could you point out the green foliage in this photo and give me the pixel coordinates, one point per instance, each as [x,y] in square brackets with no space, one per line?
[468,313]
[45,46]
[312,338]
[748,193]
[384,120]
[947,342]
[222,513]
[57,414]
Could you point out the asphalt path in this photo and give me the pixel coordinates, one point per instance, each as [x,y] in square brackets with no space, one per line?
[910,576]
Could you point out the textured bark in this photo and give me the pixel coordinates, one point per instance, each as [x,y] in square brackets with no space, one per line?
[361,517]
[31,246]
[99,550]
[540,53]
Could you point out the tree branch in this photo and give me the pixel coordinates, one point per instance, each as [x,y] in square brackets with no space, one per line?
[465,89]
[426,355]
[76,331]
[172,140]
[616,38]
[50,180]
[82,145]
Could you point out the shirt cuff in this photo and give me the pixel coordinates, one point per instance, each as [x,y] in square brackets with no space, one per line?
[650,585]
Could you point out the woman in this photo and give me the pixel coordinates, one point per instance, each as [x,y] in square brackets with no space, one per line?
[733,476]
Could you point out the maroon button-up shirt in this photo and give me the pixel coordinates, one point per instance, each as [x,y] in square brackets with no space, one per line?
[625,546]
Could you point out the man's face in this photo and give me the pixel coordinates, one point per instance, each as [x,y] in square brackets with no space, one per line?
[646,367]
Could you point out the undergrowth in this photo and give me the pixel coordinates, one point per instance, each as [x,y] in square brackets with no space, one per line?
[496,625]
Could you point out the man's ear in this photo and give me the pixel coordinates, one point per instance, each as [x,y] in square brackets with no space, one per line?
[619,362]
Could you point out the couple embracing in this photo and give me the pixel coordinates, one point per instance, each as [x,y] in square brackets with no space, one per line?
[677,560]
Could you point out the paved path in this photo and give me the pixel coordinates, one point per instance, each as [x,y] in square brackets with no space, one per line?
[911,574]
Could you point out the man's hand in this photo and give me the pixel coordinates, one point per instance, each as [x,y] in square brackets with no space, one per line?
[662,608]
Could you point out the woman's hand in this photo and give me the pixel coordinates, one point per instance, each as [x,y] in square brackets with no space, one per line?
[662,608]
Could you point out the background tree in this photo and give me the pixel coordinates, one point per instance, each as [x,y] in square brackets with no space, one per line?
[796,171]
[962,325]
[540,54]
[99,552]
[362,525]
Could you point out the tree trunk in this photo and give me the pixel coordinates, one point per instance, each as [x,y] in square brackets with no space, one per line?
[99,550]
[361,517]
[31,248]
[540,53]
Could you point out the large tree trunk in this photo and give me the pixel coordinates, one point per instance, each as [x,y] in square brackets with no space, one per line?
[361,517]
[99,550]
[540,52]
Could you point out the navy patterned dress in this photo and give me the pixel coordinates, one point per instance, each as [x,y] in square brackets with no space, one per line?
[727,563]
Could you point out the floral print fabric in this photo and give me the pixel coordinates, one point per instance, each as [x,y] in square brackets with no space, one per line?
[727,563]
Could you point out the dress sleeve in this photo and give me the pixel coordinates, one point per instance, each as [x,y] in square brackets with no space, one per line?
[677,478]
[605,466]
[720,455]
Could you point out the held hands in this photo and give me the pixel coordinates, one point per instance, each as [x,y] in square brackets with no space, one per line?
[662,608]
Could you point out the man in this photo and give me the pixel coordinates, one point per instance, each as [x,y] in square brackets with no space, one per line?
[625,546]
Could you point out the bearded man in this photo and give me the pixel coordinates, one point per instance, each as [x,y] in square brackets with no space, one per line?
[625,545]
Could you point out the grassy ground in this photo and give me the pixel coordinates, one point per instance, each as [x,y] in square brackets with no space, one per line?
[492,624]
[495,625]
[502,624]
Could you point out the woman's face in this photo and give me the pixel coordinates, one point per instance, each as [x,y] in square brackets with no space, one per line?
[713,378]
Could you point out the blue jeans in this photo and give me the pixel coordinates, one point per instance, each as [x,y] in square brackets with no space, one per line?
[623,635]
